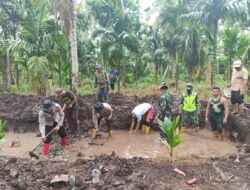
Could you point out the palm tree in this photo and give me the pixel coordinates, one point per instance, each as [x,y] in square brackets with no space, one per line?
[66,8]
[235,44]
[209,13]
[114,31]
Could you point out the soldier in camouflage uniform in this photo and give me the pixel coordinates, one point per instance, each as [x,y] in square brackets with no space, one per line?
[165,103]
[101,82]
[189,108]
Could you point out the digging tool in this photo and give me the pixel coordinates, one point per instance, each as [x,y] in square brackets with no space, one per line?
[31,153]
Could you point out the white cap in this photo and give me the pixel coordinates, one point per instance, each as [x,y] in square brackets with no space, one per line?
[237,63]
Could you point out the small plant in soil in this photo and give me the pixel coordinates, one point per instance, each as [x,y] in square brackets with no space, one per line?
[170,136]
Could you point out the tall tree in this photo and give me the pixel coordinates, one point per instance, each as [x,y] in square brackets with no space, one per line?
[209,13]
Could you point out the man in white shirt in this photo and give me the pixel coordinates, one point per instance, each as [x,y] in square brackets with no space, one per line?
[142,113]
[238,85]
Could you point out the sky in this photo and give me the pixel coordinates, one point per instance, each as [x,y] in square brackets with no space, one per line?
[144,4]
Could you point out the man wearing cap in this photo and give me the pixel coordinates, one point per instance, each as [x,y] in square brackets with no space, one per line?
[101,82]
[99,112]
[189,108]
[238,85]
[165,102]
[51,117]
[70,106]
[142,114]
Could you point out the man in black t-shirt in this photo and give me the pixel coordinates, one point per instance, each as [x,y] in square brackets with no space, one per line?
[70,106]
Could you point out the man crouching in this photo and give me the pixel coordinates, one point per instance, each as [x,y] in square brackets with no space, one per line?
[101,111]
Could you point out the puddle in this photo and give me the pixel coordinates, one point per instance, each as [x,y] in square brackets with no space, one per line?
[148,146]
[28,141]
[128,145]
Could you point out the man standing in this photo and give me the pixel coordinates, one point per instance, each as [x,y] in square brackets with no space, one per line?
[189,108]
[165,102]
[238,86]
[70,105]
[101,82]
[217,113]
[101,111]
[142,114]
[113,75]
[51,117]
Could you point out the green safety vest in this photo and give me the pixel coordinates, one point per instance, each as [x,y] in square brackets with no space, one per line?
[189,102]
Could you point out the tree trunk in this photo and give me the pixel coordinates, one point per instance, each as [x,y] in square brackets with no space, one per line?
[60,72]
[7,72]
[73,44]
[43,86]
[214,65]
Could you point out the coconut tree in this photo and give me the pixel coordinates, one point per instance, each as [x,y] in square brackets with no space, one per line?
[209,13]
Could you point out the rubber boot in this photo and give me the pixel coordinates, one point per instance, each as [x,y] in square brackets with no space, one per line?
[197,129]
[110,134]
[45,149]
[221,136]
[94,131]
[182,129]
[143,129]
[215,134]
[64,142]
[147,129]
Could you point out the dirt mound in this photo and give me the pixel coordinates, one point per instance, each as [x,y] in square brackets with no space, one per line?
[21,112]
[239,130]
[119,173]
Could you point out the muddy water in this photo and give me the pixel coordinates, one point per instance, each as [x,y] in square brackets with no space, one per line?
[28,141]
[129,145]
[148,146]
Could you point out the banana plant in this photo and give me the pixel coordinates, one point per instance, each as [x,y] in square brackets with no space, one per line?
[2,126]
[170,136]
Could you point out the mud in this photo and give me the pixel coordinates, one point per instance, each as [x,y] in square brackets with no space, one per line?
[21,111]
[121,173]
[125,145]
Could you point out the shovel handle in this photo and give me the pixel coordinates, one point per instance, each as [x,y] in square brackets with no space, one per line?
[42,140]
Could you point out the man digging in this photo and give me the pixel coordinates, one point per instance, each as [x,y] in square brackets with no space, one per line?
[70,105]
[217,113]
[51,117]
[101,111]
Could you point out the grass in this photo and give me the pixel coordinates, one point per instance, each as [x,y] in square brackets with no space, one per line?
[144,87]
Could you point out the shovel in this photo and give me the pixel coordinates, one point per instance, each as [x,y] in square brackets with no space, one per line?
[31,153]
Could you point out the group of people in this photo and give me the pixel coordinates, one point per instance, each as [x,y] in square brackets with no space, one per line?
[103,80]
[52,116]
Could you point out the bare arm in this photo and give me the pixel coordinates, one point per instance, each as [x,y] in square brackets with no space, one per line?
[95,120]
[225,103]
[61,115]
[243,86]
[132,124]
[207,109]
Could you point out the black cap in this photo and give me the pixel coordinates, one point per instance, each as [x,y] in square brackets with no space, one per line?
[47,104]
[98,107]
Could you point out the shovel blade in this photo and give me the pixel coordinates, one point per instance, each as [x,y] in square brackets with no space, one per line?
[33,155]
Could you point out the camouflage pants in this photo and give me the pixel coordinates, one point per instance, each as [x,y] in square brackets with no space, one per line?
[163,114]
[189,119]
